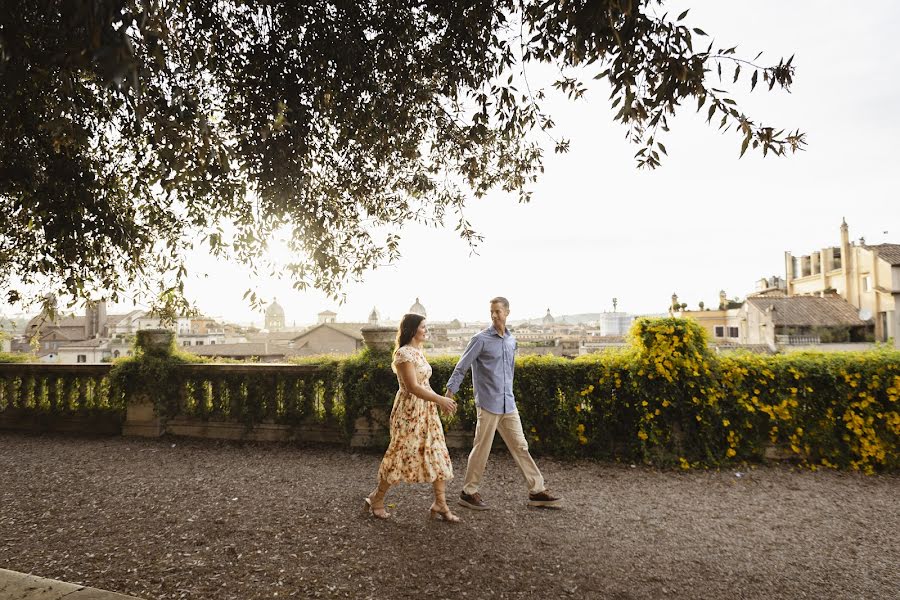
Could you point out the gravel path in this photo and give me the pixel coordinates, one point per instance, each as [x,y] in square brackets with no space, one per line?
[177,518]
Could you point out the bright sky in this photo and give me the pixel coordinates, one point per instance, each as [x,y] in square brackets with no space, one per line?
[598,228]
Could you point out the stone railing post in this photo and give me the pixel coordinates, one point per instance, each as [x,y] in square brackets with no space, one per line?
[372,428]
[379,338]
[141,415]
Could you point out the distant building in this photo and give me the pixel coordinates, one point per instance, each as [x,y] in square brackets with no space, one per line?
[614,324]
[327,316]
[262,352]
[274,316]
[374,317]
[99,337]
[328,338]
[548,319]
[801,320]
[781,322]
[866,276]
[418,309]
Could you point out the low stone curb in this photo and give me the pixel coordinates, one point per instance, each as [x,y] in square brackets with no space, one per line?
[21,586]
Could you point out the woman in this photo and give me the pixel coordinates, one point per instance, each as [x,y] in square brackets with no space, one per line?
[417,452]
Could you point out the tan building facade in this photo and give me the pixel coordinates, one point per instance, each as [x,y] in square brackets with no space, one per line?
[328,338]
[866,276]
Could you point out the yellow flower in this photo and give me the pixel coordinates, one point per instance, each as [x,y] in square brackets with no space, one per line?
[726,422]
[730,452]
[642,435]
[580,428]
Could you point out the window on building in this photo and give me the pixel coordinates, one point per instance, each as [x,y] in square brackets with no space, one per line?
[212,342]
[720,331]
[116,354]
[867,283]
[82,358]
[198,343]
[186,343]
[733,332]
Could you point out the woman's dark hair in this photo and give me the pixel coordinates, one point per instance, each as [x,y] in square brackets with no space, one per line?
[407,330]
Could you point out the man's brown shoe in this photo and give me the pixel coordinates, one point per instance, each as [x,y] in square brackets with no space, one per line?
[544,500]
[472,501]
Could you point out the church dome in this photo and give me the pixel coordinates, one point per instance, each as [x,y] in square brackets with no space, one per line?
[548,318]
[274,317]
[274,309]
[418,309]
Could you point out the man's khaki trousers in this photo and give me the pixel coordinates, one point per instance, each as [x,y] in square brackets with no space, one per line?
[510,428]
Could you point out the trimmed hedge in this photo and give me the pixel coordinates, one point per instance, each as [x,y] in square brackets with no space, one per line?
[15,357]
[668,400]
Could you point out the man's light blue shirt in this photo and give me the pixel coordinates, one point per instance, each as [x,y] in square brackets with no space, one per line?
[492,358]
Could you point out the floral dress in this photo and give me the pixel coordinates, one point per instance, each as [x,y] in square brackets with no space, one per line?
[418,451]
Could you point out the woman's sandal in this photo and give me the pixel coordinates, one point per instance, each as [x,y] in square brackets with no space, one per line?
[377,510]
[442,510]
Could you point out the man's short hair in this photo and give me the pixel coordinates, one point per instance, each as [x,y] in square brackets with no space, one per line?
[502,301]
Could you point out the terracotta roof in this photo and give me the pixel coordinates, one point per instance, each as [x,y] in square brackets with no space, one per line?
[888,252]
[92,343]
[348,329]
[232,350]
[115,319]
[809,311]
[275,337]
[46,323]
[69,333]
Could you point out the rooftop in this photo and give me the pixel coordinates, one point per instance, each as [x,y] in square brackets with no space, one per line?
[888,252]
[237,350]
[809,311]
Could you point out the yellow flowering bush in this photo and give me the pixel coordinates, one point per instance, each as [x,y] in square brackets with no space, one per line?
[687,406]
[667,399]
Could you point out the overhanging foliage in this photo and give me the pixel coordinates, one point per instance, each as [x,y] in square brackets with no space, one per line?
[133,130]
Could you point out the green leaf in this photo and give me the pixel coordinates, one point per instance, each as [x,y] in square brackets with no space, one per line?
[744,145]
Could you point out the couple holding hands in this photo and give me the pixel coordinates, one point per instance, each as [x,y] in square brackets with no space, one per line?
[418,451]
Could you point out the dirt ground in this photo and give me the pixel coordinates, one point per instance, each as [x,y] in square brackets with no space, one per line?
[177,518]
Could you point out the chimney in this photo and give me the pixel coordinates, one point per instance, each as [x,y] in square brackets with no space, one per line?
[95,320]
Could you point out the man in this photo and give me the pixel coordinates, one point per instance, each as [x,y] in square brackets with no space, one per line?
[491,355]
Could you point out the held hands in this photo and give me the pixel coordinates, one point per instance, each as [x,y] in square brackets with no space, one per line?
[446,405]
